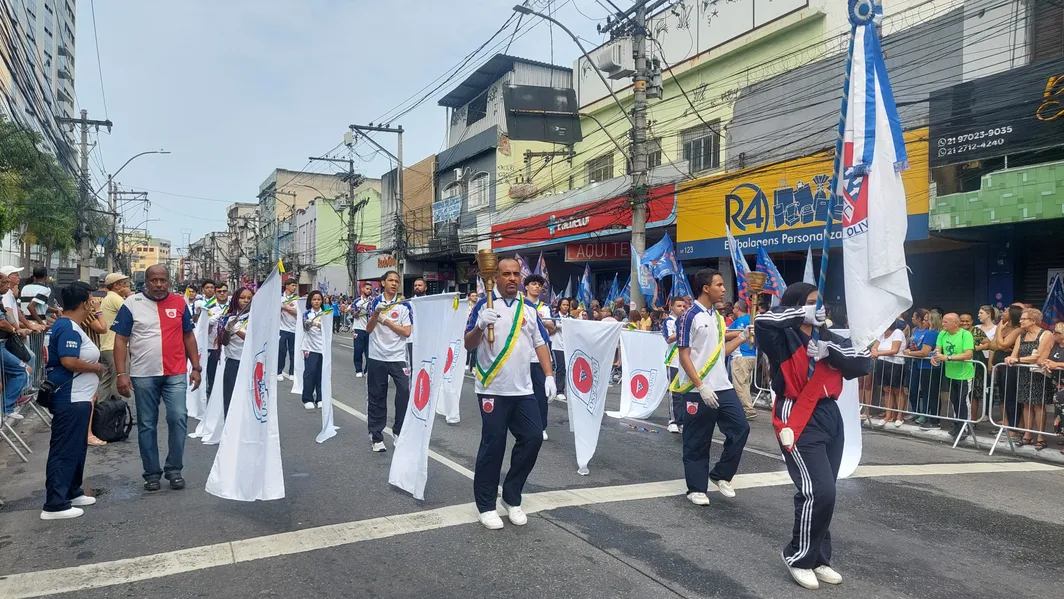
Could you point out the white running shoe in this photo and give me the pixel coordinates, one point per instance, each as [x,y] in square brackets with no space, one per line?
[674,428]
[72,512]
[453,420]
[516,514]
[827,575]
[802,576]
[898,423]
[358,375]
[379,447]
[560,396]
[82,501]
[280,377]
[308,405]
[698,498]
[544,435]
[725,488]
[491,520]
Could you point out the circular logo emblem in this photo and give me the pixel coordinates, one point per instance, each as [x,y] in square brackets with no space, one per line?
[582,378]
[692,408]
[450,360]
[421,390]
[395,314]
[640,386]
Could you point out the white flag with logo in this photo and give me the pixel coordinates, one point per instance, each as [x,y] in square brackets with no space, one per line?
[210,428]
[328,429]
[247,466]
[297,371]
[454,374]
[874,215]
[444,319]
[590,347]
[644,375]
[196,401]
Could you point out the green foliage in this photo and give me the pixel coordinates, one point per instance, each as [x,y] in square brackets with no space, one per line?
[37,197]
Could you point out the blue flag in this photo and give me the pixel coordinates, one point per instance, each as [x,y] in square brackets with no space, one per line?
[525,270]
[741,267]
[583,294]
[1053,309]
[646,283]
[541,270]
[568,293]
[774,284]
[660,258]
[626,293]
[681,287]
[614,291]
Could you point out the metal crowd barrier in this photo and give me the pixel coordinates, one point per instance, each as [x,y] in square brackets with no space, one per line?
[918,389]
[27,377]
[1025,393]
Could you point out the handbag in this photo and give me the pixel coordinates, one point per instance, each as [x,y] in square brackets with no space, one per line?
[47,390]
[16,347]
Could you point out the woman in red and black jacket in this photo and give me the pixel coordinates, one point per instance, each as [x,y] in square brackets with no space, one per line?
[808,424]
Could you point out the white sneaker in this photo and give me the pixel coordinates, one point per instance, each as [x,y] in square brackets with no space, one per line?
[674,428]
[725,488]
[308,405]
[491,520]
[827,575]
[379,447]
[898,423]
[698,498]
[516,514]
[802,576]
[560,396]
[72,512]
[453,420]
[82,501]
[544,435]
[280,377]
[358,375]
[879,423]
[319,406]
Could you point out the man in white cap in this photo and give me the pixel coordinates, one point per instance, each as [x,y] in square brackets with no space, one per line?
[11,273]
[118,290]
[14,370]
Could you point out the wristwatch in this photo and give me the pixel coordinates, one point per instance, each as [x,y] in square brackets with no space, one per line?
[197,369]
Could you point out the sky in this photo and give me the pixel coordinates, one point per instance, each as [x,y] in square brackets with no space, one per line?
[236,88]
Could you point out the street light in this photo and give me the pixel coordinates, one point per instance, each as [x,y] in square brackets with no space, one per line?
[134,157]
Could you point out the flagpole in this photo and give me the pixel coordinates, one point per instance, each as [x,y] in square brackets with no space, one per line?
[855,21]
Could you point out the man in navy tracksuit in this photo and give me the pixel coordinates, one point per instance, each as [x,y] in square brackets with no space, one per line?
[807,420]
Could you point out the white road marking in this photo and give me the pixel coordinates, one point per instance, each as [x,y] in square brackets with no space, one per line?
[151,567]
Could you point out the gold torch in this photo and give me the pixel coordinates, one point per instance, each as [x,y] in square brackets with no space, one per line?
[755,283]
[488,264]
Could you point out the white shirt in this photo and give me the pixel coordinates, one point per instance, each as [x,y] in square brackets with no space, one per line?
[513,378]
[887,343]
[214,313]
[10,307]
[288,321]
[360,310]
[35,297]
[543,311]
[83,387]
[556,343]
[668,330]
[235,349]
[312,335]
[386,345]
[989,335]
[698,330]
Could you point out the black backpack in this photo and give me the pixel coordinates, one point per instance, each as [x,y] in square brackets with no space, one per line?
[112,420]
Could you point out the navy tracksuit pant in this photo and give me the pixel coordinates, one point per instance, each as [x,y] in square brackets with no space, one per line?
[676,405]
[66,454]
[498,414]
[814,466]
[699,422]
[378,373]
[312,363]
[539,380]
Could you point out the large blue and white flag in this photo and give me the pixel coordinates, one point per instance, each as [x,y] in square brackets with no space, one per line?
[874,218]
[1053,308]
[660,258]
[645,282]
[739,264]
[774,284]
[583,293]
[614,291]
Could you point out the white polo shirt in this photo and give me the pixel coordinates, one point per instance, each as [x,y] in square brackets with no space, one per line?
[288,321]
[556,341]
[235,349]
[360,310]
[543,311]
[513,378]
[312,336]
[386,345]
[698,331]
[668,329]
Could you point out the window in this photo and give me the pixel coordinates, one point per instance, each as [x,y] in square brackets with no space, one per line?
[653,155]
[478,192]
[701,147]
[453,190]
[1047,30]
[478,109]
[600,169]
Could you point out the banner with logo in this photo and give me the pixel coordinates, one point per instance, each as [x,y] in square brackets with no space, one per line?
[589,350]
[328,429]
[454,374]
[247,466]
[644,374]
[445,318]
[297,372]
[196,401]
[210,426]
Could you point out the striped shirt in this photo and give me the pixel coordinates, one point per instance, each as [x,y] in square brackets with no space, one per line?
[156,334]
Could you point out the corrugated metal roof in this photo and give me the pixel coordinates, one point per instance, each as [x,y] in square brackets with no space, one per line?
[484,76]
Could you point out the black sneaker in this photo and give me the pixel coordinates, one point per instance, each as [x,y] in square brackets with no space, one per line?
[176,482]
[151,485]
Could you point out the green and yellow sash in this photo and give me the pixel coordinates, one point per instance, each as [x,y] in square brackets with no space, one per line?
[210,303]
[675,386]
[486,376]
[669,355]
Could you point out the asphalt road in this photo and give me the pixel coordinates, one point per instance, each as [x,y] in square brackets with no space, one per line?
[920,520]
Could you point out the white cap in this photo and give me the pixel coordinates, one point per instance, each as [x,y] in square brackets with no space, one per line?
[7,271]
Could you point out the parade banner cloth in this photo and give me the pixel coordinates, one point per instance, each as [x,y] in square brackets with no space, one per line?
[874,220]
[196,401]
[454,374]
[297,371]
[589,350]
[328,429]
[644,375]
[808,277]
[433,353]
[210,428]
[247,466]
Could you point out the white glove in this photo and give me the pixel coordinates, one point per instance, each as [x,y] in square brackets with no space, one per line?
[818,350]
[787,438]
[747,334]
[550,388]
[487,317]
[815,317]
[708,396]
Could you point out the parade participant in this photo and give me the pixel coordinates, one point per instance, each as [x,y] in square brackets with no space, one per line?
[204,301]
[504,389]
[389,326]
[558,346]
[289,312]
[709,401]
[155,328]
[313,350]
[672,361]
[533,287]
[233,332]
[215,312]
[359,337]
[808,423]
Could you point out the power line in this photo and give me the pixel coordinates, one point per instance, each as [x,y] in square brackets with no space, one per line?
[99,64]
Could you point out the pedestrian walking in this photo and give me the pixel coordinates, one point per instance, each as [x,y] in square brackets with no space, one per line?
[360,338]
[231,338]
[289,316]
[672,362]
[389,326]
[313,349]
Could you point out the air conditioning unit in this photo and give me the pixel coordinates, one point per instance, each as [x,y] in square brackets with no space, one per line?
[457,175]
[616,59]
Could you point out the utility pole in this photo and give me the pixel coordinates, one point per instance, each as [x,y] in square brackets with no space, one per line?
[117,258]
[353,181]
[400,231]
[84,242]
[113,207]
